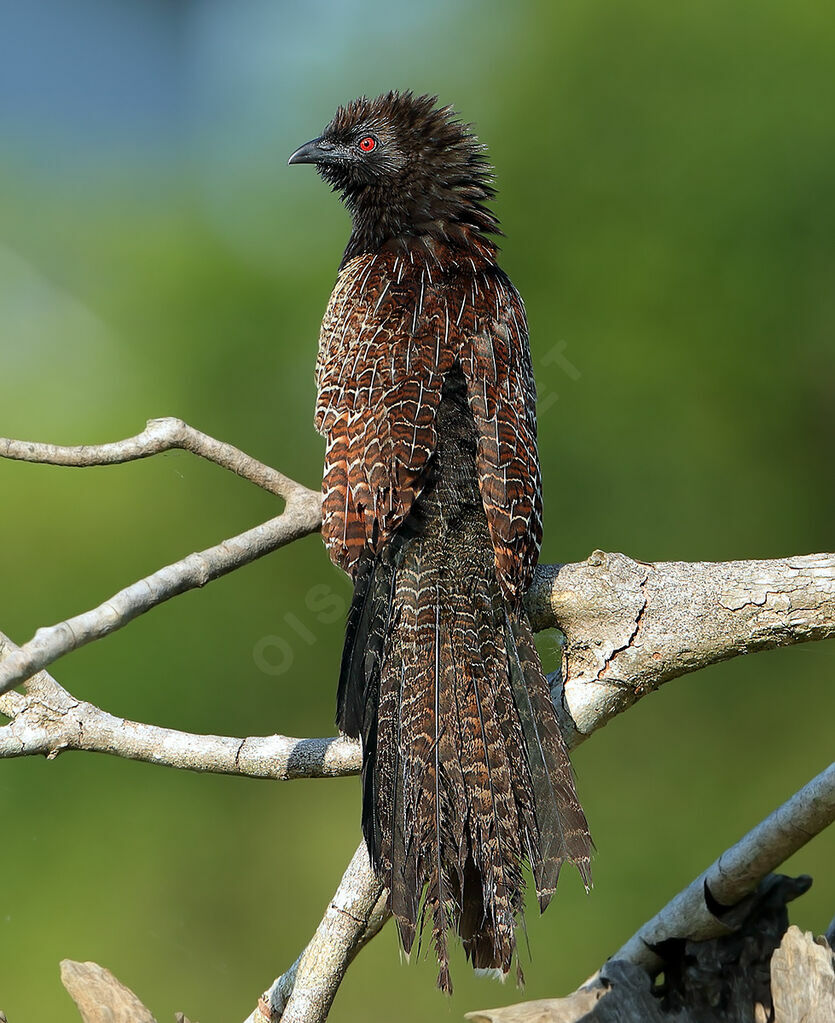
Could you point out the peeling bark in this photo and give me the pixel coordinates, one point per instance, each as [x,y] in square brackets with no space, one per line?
[763,970]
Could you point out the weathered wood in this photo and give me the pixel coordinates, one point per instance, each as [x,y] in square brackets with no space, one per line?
[803,980]
[631,626]
[697,911]
[100,997]
[762,966]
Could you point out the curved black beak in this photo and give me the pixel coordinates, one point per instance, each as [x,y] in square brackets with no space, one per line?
[310,152]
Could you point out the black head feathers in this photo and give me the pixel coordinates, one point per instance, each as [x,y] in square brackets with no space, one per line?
[405,168]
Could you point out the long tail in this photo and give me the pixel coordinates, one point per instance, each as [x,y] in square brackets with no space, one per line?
[465,774]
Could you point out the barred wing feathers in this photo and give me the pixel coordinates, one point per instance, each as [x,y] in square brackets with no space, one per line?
[392,331]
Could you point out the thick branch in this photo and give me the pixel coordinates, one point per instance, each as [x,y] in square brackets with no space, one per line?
[631,626]
[695,912]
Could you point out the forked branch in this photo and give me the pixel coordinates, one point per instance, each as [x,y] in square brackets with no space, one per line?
[629,627]
[301,516]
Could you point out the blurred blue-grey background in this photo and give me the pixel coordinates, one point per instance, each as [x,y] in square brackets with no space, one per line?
[667,189]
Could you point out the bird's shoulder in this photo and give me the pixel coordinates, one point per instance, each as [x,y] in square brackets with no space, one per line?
[414,289]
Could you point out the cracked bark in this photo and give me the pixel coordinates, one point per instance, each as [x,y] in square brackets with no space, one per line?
[631,626]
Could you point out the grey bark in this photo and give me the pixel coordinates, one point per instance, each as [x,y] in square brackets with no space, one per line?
[631,626]
[764,970]
[693,912]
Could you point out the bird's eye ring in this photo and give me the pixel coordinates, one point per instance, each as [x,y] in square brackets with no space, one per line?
[368,143]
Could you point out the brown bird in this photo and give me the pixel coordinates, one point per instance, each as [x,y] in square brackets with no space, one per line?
[433,505]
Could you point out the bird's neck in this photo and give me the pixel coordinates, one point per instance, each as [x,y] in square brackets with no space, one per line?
[385,218]
[385,229]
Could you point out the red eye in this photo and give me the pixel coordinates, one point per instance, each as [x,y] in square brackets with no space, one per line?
[368,143]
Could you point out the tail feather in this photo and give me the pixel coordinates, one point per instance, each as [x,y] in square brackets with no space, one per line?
[359,701]
[465,774]
[561,826]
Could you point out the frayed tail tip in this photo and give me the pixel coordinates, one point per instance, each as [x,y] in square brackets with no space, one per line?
[491,972]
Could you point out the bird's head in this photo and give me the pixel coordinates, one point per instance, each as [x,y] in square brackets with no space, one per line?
[405,167]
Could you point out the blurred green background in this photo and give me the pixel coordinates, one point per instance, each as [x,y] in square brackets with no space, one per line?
[667,189]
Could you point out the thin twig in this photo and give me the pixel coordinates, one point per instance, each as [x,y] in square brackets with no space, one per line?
[48,720]
[300,518]
[159,435]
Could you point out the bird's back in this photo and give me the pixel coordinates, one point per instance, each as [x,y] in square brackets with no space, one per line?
[396,325]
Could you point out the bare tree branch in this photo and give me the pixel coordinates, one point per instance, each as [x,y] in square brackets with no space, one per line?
[693,913]
[631,626]
[159,435]
[48,720]
[720,901]
[300,518]
[354,916]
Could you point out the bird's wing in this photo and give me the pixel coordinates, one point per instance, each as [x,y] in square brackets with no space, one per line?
[391,333]
[382,360]
[502,396]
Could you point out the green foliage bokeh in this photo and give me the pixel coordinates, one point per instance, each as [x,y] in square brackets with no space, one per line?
[666,186]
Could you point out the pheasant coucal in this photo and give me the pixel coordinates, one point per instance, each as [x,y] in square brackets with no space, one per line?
[433,505]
